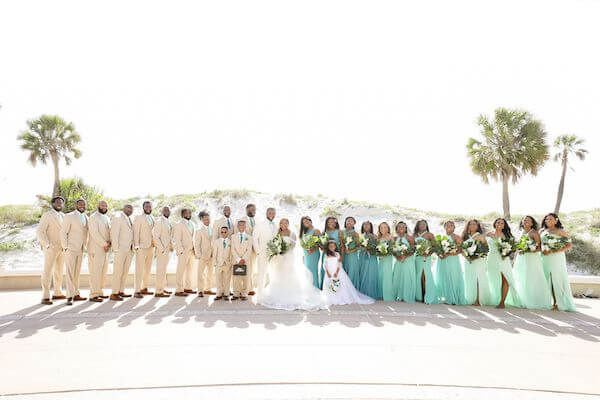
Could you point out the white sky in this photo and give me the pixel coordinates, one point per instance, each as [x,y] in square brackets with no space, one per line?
[370,100]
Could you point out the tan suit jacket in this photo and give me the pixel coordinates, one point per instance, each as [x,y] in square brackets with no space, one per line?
[73,234]
[222,256]
[142,232]
[221,222]
[48,230]
[203,242]
[162,235]
[121,233]
[184,239]
[241,248]
[99,233]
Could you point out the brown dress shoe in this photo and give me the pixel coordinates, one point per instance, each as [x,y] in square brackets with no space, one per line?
[69,301]
[59,297]
[243,298]
[138,295]
[251,293]
[103,297]
[218,298]
[200,294]
[96,299]
[234,298]
[167,292]
[209,292]
[79,298]
[181,294]
[145,291]
[122,294]
[46,302]
[190,291]
[116,297]
[161,295]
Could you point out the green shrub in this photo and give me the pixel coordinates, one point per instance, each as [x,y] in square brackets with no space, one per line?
[585,256]
[73,189]
[329,211]
[19,215]
[12,246]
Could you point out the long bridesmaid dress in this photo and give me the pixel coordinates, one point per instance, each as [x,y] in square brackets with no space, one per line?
[404,277]
[531,282]
[476,280]
[498,266]
[311,261]
[386,277]
[369,275]
[451,286]
[351,258]
[423,266]
[556,264]
[333,235]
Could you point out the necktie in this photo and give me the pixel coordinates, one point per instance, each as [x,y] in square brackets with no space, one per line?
[241,238]
[224,243]
[252,222]
[82,218]
[228,224]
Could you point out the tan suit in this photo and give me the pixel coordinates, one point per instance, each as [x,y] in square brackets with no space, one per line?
[73,236]
[183,237]
[222,260]
[203,238]
[48,234]
[99,236]
[121,236]
[162,235]
[228,222]
[241,249]
[251,271]
[144,250]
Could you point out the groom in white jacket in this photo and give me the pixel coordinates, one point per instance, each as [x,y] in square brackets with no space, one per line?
[263,232]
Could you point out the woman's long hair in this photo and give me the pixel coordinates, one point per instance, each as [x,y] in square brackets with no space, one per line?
[370,224]
[405,227]
[302,228]
[506,231]
[534,224]
[346,221]
[465,234]
[416,230]
[379,235]
[559,224]
[337,224]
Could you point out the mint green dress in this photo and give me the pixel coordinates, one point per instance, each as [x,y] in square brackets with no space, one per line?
[369,274]
[556,264]
[386,278]
[423,266]
[476,281]
[531,282]
[404,277]
[333,235]
[450,281]
[497,267]
[351,260]
[311,261]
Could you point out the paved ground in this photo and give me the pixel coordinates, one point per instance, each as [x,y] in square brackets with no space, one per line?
[190,348]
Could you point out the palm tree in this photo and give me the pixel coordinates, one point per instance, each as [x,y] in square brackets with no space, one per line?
[514,144]
[566,144]
[50,137]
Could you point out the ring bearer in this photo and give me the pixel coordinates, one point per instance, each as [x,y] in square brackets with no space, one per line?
[223,264]
[241,247]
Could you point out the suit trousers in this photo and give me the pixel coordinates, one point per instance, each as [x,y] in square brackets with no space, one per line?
[224,279]
[143,264]
[54,269]
[185,262]
[162,260]
[73,262]
[206,272]
[98,266]
[121,264]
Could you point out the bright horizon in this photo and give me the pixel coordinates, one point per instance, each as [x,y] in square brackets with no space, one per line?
[364,100]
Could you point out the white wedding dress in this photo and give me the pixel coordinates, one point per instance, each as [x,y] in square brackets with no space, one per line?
[346,293]
[290,284]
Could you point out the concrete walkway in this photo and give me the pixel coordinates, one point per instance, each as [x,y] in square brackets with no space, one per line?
[194,348]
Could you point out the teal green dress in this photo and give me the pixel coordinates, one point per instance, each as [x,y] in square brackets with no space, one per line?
[476,280]
[556,264]
[311,261]
[333,235]
[423,267]
[531,282]
[498,267]
[450,281]
[404,277]
[386,289]
[369,274]
[351,260]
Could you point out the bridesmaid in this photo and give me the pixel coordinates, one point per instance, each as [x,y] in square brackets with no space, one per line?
[404,275]
[311,257]
[425,289]
[451,286]
[555,263]
[477,287]
[368,264]
[350,241]
[500,274]
[529,271]
[332,229]
[386,263]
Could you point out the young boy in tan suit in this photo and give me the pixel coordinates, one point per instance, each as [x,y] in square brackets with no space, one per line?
[241,248]
[223,263]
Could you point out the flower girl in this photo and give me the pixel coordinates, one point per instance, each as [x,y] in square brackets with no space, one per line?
[337,286]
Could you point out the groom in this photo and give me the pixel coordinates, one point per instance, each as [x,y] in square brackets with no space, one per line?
[262,234]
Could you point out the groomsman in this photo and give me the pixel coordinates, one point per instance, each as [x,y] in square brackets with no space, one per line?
[203,239]
[223,264]
[241,248]
[144,249]
[184,246]
[162,235]
[98,247]
[73,236]
[250,224]
[48,234]
[226,220]
[121,237]
[262,234]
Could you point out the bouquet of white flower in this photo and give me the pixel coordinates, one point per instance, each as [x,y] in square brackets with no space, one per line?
[368,243]
[552,242]
[350,242]
[445,245]
[323,239]
[423,247]
[277,246]
[399,248]
[334,285]
[310,242]
[383,248]
[474,249]
[506,247]
[526,244]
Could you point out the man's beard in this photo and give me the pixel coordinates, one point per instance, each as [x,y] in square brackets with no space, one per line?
[147,212]
[188,218]
[102,211]
[166,216]
[57,209]
[251,215]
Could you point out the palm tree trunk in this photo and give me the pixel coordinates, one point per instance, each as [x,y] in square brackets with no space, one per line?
[505,200]
[56,187]
[561,186]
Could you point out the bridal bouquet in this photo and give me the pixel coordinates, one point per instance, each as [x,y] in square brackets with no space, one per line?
[368,243]
[552,242]
[399,248]
[310,242]
[506,247]
[474,249]
[323,239]
[423,247]
[334,285]
[350,242]
[277,246]
[383,248]
[445,245]
[526,245]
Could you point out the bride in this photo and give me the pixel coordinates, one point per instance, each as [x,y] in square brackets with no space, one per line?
[290,284]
